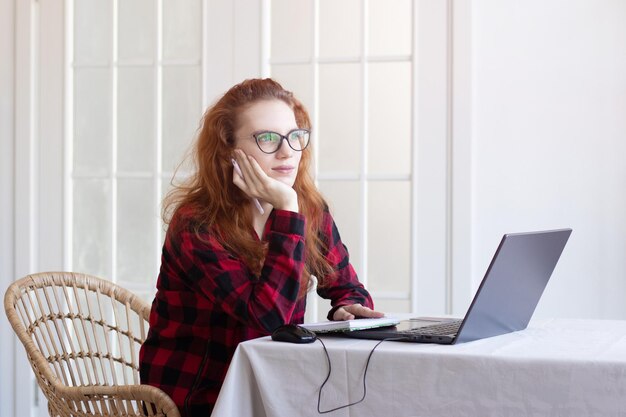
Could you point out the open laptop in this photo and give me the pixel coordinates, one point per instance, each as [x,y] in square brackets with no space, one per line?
[505,300]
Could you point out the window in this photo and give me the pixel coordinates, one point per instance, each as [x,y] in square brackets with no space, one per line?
[351,63]
[140,76]
[135,71]
[374,74]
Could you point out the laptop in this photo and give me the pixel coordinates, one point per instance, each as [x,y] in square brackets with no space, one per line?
[505,301]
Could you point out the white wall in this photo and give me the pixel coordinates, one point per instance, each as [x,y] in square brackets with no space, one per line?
[7,349]
[31,184]
[549,142]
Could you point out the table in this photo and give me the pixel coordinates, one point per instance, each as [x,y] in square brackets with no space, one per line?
[555,367]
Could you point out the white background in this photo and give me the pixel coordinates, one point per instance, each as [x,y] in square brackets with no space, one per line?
[549,142]
[531,97]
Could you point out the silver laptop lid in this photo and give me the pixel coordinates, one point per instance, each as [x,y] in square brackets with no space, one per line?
[513,284]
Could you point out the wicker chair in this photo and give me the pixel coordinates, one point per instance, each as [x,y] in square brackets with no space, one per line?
[82,336]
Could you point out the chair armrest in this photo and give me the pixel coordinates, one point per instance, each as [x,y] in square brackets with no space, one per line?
[117,397]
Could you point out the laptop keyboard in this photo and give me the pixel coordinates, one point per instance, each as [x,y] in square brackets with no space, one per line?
[436,329]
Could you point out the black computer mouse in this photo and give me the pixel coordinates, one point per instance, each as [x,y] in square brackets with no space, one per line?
[293,333]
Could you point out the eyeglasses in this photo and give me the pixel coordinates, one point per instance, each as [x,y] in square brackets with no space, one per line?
[270,142]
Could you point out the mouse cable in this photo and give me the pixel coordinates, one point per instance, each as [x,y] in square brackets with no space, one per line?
[319,395]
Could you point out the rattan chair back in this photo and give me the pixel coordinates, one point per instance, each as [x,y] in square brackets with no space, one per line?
[82,336]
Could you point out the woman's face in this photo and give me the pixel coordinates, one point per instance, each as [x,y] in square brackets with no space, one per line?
[275,116]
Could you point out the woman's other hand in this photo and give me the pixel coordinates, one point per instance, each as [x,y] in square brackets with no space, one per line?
[355,310]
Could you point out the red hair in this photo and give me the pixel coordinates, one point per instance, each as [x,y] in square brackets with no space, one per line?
[211,201]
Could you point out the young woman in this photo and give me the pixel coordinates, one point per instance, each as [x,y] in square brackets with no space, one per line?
[246,233]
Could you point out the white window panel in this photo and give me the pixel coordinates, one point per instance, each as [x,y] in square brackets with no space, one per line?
[136,119]
[344,200]
[389,224]
[92,121]
[182,30]
[146,295]
[182,101]
[389,118]
[93,31]
[390,27]
[340,119]
[291,30]
[91,234]
[342,33]
[299,79]
[136,236]
[392,305]
[137,30]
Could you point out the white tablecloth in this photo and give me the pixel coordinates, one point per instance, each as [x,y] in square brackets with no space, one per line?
[553,368]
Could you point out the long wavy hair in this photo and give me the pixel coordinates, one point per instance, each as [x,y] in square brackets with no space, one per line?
[211,202]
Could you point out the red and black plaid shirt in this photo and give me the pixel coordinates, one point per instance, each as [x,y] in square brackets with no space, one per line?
[208,302]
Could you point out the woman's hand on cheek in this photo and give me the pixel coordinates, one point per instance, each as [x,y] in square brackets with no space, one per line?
[257,184]
[355,310]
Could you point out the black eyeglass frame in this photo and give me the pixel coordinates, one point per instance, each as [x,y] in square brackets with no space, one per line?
[282,138]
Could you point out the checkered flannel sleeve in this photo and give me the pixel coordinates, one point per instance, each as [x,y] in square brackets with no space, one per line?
[344,288]
[260,302]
